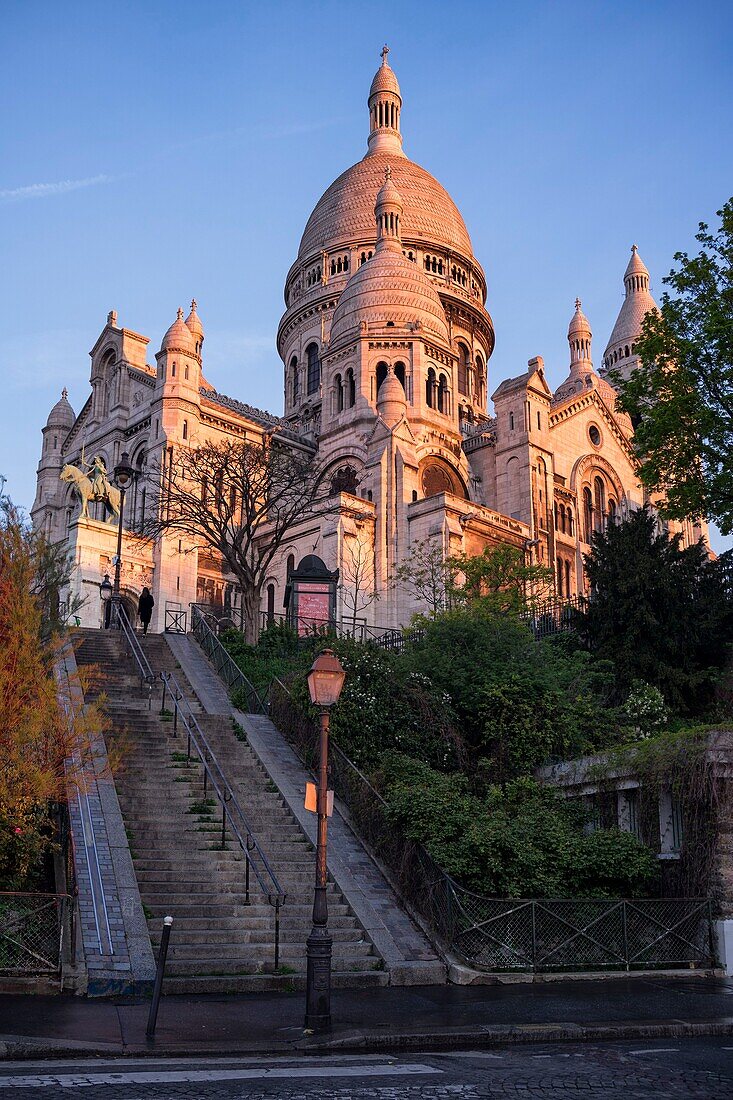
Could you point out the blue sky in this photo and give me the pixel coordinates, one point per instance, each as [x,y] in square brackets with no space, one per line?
[152,152]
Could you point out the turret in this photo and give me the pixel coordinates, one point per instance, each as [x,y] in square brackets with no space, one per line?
[620,354]
[385,104]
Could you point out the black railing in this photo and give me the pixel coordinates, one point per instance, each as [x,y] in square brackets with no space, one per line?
[555,616]
[226,668]
[501,934]
[134,649]
[232,816]
[175,622]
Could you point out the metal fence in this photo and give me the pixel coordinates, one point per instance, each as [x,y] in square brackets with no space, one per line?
[226,668]
[555,616]
[500,934]
[35,933]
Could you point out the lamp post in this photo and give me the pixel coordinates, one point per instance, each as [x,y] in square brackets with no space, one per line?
[123,474]
[105,593]
[325,681]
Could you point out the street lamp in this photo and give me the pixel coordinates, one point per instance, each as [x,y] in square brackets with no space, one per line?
[105,593]
[123,474]
[325,681]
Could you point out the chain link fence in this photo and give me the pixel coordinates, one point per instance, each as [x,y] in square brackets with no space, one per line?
[35,933]
[501,934]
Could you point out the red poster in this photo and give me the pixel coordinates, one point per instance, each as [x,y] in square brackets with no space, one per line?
[313,607]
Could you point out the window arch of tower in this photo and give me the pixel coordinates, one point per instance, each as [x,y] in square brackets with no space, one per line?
[437,476]
[600,503]
[294,380]
[480,381]
[340,264]
[433,264]
[464,367]
[314,276]
[313,369]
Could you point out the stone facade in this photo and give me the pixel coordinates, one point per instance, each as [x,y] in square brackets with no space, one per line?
[385,343]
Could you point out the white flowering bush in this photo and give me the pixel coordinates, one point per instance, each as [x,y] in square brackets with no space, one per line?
[645,709]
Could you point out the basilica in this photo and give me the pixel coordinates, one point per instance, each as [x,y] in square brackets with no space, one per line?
[385,344]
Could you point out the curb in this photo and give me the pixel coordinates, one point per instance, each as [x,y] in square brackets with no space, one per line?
[27,1048]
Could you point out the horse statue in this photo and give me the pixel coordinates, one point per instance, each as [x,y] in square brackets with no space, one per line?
[95,488]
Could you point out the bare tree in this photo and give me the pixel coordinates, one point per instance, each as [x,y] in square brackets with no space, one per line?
[241,500]
[429,573]
[358,589]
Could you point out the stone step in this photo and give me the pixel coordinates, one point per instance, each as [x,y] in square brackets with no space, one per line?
[211,937]
[269,983]
[245,952]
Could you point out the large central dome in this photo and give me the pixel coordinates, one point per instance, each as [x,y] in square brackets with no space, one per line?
[345,213]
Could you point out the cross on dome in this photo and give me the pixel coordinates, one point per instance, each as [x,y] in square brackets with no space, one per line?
[385,51]
[577,305]
[65,393]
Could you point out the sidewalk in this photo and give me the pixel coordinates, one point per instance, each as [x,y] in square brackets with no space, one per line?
[387,1019]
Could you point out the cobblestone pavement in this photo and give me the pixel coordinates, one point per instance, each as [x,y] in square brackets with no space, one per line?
[694,1068]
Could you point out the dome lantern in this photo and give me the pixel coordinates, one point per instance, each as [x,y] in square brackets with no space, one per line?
[579,338]
[385,104]
[388,212]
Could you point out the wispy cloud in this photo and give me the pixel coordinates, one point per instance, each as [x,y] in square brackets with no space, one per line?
[43,190]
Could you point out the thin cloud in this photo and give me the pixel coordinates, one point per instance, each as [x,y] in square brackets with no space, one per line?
[43,190]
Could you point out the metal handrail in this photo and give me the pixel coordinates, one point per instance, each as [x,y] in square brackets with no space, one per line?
[232,813]
[225,666]
[147,676]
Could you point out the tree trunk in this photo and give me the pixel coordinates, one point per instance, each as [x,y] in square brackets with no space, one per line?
[251,609]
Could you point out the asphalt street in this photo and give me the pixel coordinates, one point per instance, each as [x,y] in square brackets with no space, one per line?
[688,1068]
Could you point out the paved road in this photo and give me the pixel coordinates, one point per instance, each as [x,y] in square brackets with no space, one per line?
[690,1068]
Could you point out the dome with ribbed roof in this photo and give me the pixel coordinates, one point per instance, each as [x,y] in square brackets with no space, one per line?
[343,215]
[385,79]
[389,288]
[579,323]
[62,415]
[179,337]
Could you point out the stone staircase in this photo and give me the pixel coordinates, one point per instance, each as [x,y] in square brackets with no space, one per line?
[219,943]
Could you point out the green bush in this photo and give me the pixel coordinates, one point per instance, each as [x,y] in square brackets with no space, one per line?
[519,840]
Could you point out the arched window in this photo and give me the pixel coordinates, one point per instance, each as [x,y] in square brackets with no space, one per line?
[350,389]
[430,389]
[271,603]
[382,371]
[599,494]
[173,371]
[314,368]
[568,591]
[570,520]
[338,393]
[184,433]
[290,564]
[511,421]
[611,510]
[559,577]
[294,378]
[185,373]
[555,515]
[443,394]
[345,480]
[588,513]
[562,517]
[480,381]
[399,370]
[463,366]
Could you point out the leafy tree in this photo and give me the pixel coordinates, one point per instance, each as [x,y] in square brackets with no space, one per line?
[681,396]
[242,501]
[517,702]
[498,581]
[660,613]
[38,738]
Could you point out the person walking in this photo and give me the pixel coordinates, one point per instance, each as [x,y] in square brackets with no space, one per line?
[145,606]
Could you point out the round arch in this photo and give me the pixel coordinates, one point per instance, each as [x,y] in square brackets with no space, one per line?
[439,476]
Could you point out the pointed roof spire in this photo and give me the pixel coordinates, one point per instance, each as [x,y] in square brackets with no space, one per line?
[388,212]
[193,323]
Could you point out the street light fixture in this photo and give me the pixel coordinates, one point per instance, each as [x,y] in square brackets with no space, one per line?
[325,681]
[123,474]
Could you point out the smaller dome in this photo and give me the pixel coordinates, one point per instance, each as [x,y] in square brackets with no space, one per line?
[391,400]
[62,415]
[193,323]
[636,265]
[385,79]
[579,323]
[178,337]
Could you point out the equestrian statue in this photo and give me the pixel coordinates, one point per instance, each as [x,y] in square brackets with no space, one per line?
[95,487]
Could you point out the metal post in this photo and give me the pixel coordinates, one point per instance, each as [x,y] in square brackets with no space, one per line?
[159,971]
[162,701]
[175,719]
[319,944]
[625,934]
[118,563]
[277,933]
